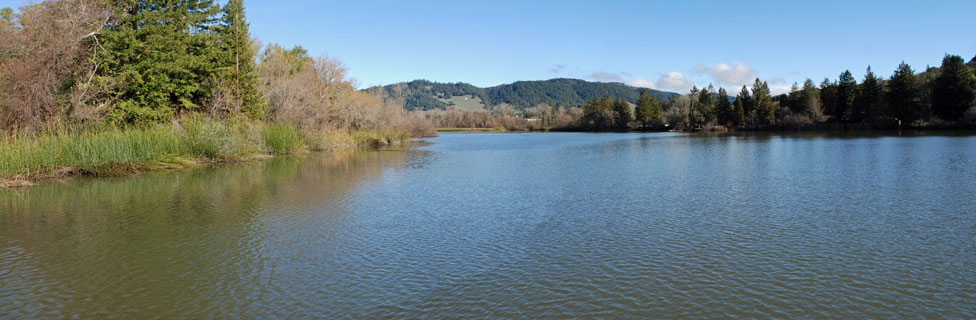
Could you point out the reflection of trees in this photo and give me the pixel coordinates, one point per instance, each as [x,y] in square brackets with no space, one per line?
[180,237]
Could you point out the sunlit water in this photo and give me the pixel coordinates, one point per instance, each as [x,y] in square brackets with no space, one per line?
[547,225]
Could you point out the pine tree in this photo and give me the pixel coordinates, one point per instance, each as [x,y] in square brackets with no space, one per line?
[723,108]
[867,104]
[846,93]
[903,95]
[648,110]
[743,106]
[828,99]
[706,105]
[621,112]
[237,61]
[765,110]
[954,89]
[809,103]
[160,56]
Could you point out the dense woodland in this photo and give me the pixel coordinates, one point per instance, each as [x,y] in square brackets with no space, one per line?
[428,95]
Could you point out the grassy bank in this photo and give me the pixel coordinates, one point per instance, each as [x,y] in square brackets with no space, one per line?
[61,151]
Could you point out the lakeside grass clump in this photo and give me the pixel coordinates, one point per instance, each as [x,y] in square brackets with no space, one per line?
[109,151]
[282,138]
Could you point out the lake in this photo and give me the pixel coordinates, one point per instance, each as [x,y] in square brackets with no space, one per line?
[531,225]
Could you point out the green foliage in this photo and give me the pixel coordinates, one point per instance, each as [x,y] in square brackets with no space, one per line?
[904,97]
[724,112]
[705,109]
[846,93]
[954,89]
[282,138]
[161,58]
[648,110]
[867,104]
[763,103]
[236,61]
[598,113]
[95,150]
[622,114]
[427,95]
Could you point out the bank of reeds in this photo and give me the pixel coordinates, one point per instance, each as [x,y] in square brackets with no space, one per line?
[63,150]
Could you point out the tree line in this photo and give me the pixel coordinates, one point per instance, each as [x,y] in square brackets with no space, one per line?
[940,96]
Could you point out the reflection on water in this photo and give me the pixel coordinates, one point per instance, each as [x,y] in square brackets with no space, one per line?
[203,241]
[554,225]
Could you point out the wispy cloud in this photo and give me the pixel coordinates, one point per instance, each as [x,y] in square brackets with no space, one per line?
[557,68]
[606,77]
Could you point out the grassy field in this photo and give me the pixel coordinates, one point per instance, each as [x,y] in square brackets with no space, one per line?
[471,103]
[63,151]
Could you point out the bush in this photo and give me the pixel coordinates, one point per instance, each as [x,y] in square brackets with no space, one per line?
[282,138]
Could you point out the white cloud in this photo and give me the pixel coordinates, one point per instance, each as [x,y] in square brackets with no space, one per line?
[606,77]
[557,68]
[739,73]
[777,80]
[674,81]
[640,82]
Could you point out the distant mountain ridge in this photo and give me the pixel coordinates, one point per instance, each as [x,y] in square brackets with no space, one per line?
[562,92]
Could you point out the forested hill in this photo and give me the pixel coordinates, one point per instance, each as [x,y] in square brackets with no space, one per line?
[428,95]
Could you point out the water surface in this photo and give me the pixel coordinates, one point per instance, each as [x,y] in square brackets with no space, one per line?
[546,225]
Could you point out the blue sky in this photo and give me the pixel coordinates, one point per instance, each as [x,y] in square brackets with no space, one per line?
[668,45]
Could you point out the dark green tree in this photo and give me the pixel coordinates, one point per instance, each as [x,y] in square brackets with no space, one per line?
[765,110]
[743,106]
[598,113]
[903,96]
[809,101]
[648,110]
[237,61]
[723,108]
[954,89]
[621,113]
[846,93]
[828,98]
[867,104]
[160,56]
[706,105]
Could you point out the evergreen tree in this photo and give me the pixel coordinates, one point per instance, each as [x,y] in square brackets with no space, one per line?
[809,101]
[598,113]
[867,104]
[648,110]
[237,61]
[706,105]
[743,106]
[765,110]
[160,56]
[828,98]
[954,89]
[846,93]
[692,103]
[621,112]
[903,95]
[723,109]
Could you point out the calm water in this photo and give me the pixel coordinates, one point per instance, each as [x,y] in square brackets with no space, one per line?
[514,225]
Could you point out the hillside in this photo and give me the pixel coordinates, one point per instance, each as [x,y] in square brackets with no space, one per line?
[428,95]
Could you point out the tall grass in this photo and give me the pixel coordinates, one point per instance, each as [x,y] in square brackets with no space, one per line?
[114,151]
[282,138]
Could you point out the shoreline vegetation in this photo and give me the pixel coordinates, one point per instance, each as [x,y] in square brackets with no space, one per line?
[114,88]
